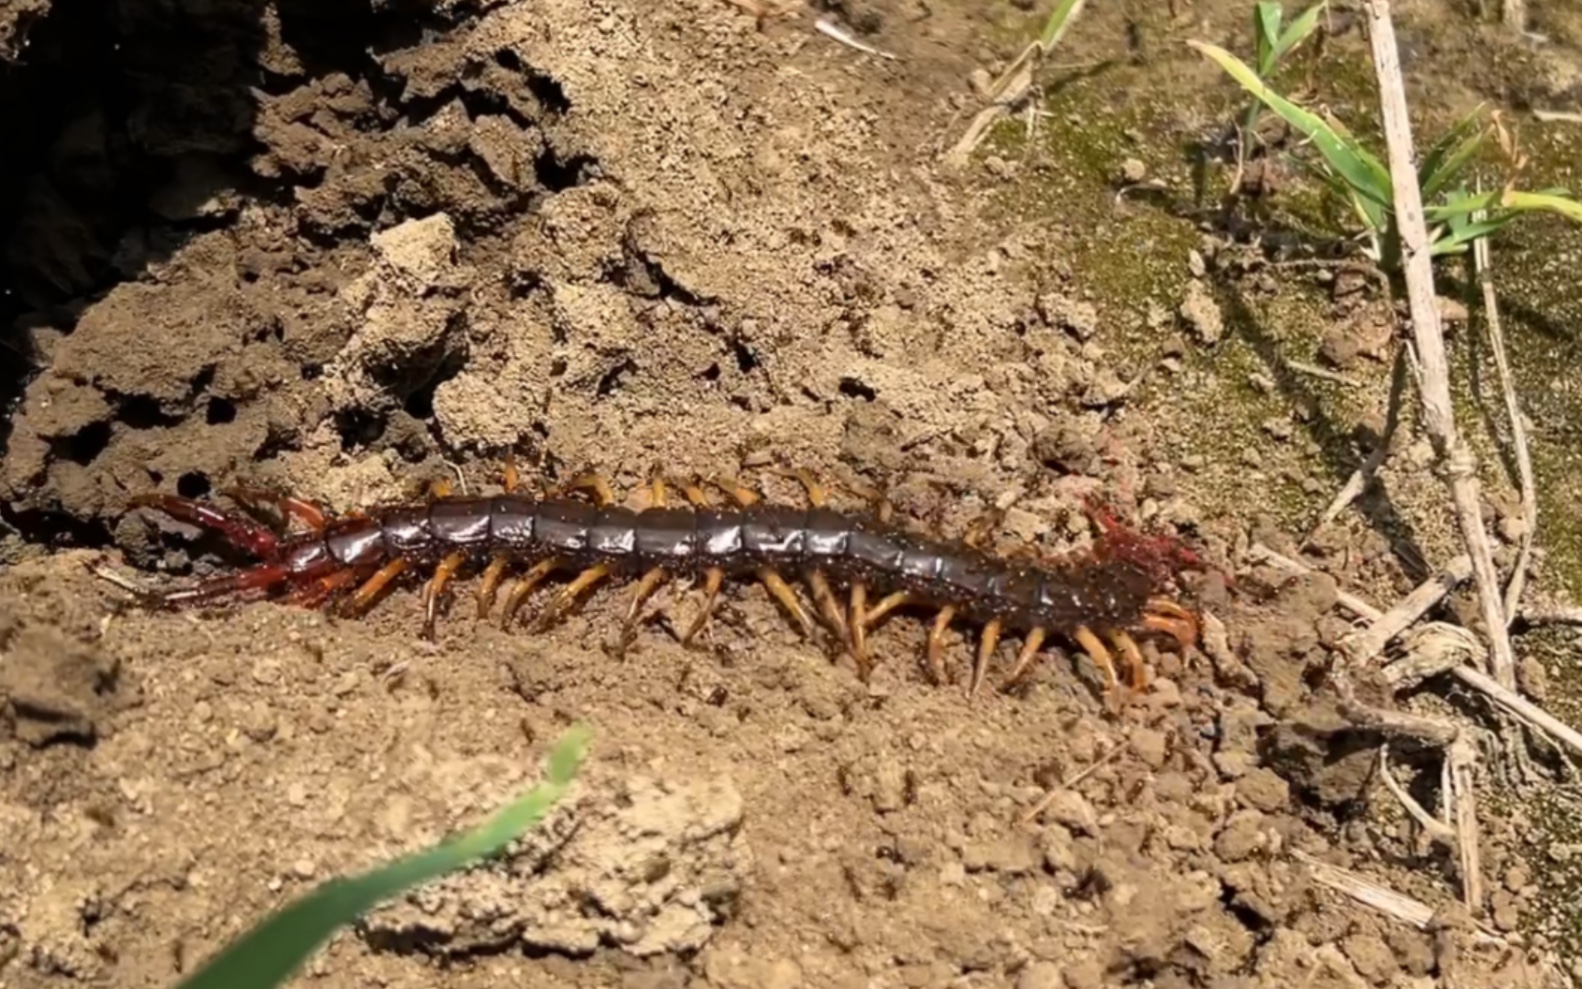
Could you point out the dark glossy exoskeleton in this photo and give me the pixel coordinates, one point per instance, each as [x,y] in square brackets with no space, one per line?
[1109,593]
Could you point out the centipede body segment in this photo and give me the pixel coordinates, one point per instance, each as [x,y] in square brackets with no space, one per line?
[859,567]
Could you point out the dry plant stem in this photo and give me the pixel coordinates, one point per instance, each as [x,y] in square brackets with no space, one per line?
[1388,902]
[1460,763]
[1457,459]
[1435,828]
[1513,409]
[1365,645]
[1508,699]
[1357,483]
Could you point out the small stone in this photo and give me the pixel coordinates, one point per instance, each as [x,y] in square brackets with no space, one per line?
[1040,975]
[1372,957]
[1085,974]
[1151,746]
[1059,853]
[1517,877]
[1133,171]
[304,868]
[1263,789]
[1072,809]
[1202,314]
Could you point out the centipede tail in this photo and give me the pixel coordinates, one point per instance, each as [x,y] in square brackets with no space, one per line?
[859,568]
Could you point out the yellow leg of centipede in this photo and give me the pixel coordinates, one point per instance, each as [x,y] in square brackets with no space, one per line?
[818,581]
[772,581]
[510,480]
[563,602]
[1136,665]
[713,578]
[1105,662]
[1164,615]
[859,616]
[364,595]
[1025,658]
[522,587]
[651,581]
[986,647]
[591,483]
[936,644]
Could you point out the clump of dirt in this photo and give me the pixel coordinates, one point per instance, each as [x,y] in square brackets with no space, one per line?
[634,236]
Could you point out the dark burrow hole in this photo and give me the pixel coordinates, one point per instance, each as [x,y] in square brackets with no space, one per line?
[193,484]
[852,388]
[103,110]
[612,378]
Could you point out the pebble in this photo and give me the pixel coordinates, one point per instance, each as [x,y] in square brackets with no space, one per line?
[1040,975]
[304,868]
[1151,747]
[1072,809]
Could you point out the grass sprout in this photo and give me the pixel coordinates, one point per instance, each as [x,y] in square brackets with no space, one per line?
[269,954]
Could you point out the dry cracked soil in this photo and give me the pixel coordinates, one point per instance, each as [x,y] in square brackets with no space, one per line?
[351,249]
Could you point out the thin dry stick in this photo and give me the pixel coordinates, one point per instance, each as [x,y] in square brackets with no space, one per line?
[1357,483]
[1513,409]
[1459,463]
[1508,699]
[1363,646]
[1397,905]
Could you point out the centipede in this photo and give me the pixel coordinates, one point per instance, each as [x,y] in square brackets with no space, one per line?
[856,567]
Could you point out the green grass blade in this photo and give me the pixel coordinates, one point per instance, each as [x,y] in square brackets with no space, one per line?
[1300,29]
[1550,200]
[1059,21]
[1361,170]
[1266,17]
[1450,154]
[271,952]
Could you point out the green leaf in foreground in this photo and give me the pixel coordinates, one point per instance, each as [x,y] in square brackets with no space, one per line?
[271,952]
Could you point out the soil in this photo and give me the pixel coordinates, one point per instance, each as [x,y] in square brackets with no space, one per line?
[350,250]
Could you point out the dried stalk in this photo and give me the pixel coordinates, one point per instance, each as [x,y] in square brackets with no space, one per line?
[1456,458]
[1513,409]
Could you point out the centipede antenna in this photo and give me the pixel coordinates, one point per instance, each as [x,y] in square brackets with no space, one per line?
[238,530]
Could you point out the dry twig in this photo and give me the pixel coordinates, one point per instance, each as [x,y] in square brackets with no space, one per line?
[1456,458]
[1513,409]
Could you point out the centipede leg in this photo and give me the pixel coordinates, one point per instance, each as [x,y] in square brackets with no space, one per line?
[936,644]
[1166,616]
[1136,665]
[434,590]
[372,587]
[510,480]
[1025,658]
[594,484]
[857,616]
[713,577]
[1105,662]
[238,530]
[986,647]
[713,580]
[652,580]
[886,604]
[772,581]
[817,580]
[568,595]
[524,586]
